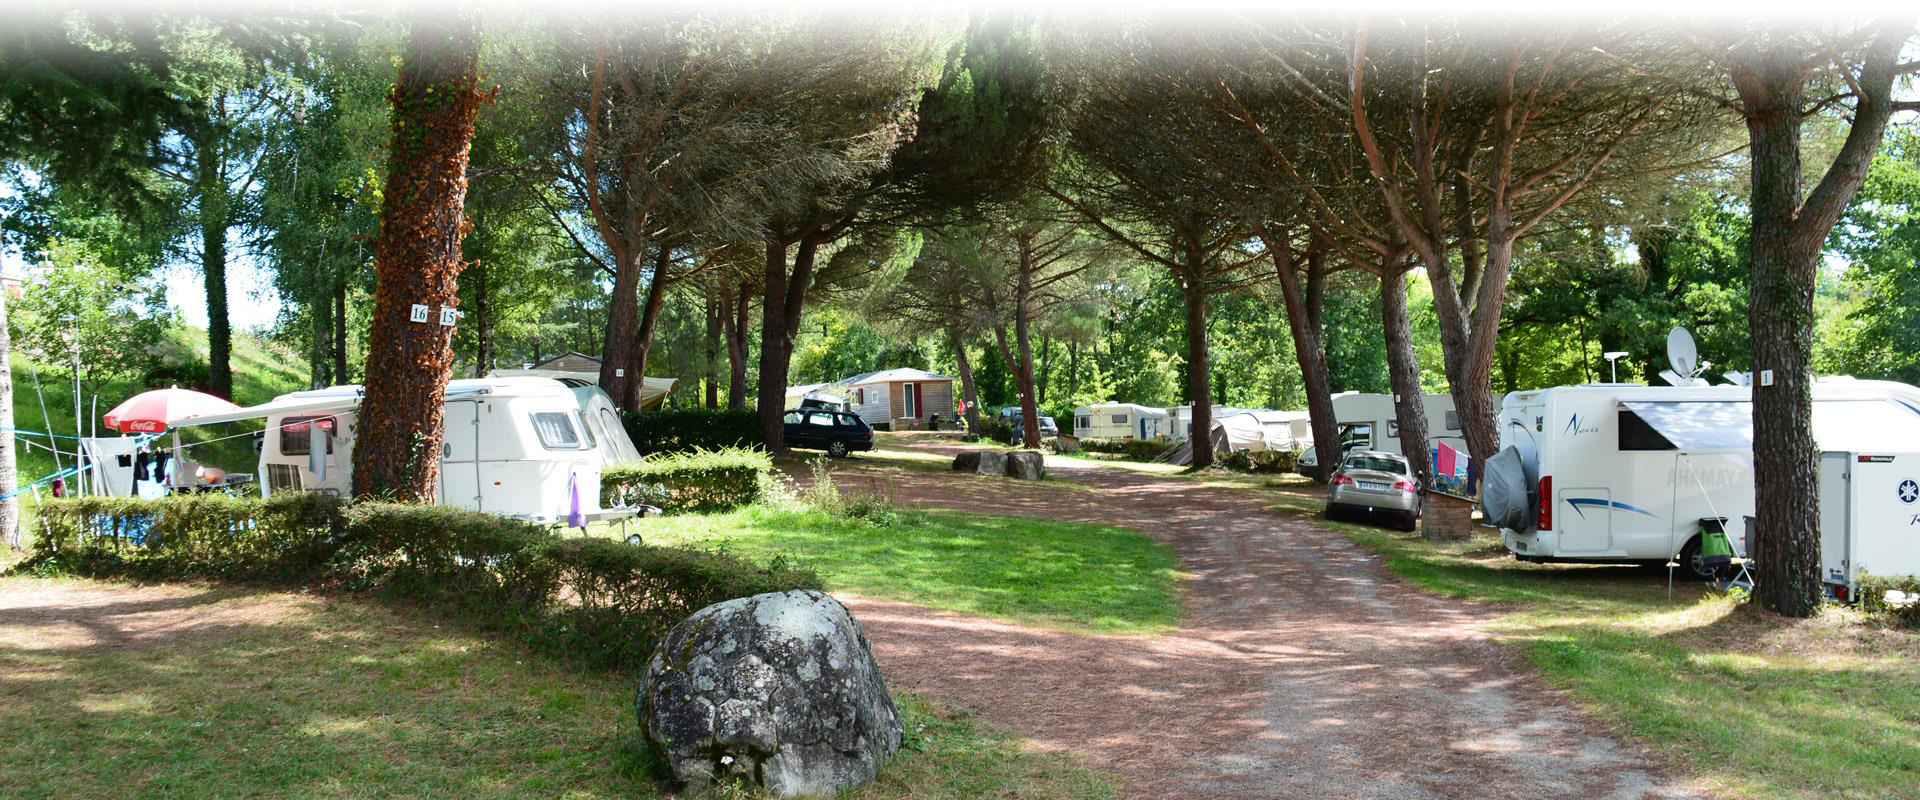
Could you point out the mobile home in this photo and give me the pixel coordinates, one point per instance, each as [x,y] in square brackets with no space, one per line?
[1369,422]
[1613,472]
[898,398]
[521,447]
[1119,421]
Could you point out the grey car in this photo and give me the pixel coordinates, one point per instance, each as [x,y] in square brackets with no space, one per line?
[1375,483]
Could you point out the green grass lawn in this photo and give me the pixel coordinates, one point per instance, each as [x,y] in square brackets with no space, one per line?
[1068,576]
[297,696]
[1755,705]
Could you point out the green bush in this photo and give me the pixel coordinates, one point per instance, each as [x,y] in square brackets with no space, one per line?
[699,481]
[1275,461]
[627,596]
[1136,449]
[602,600]
[693,429]
[1873,599]
[995,428]
[289,535]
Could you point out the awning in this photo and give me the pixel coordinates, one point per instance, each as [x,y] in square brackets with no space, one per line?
[1699,426]
[318,401]
[1702,426]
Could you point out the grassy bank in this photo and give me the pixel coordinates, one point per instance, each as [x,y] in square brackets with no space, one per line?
[1069,576]
[209,693]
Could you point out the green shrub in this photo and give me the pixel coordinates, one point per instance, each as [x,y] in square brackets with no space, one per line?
[1261,460]
[1136,449]
[627,596]
[700,480]
[693,429]
[1873,599]
[602,600]
[289,535]
[995,428]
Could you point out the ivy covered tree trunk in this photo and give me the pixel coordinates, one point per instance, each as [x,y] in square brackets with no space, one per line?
[1789,229]
[435,102]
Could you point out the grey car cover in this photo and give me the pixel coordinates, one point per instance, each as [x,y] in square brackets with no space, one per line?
[1507,496]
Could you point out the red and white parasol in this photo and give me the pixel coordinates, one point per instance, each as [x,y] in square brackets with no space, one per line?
[149,412]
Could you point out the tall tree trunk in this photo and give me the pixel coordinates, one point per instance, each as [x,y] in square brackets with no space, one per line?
[402,419]
[1200,437]
[969,392]
[1403,372]
[1304,304]
[340,374]
[623,323]
[649,319]
[1046,368]
[784,298]
[1022,321]
[9,468]
[482,321]
[737,323]
[214,201]
[715,309]
[1787,236]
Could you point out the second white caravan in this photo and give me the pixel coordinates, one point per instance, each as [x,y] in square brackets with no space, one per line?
[1630,473]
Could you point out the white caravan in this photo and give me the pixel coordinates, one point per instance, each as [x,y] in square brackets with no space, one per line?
[1369,422]
[519,447]
[1869,517]
[1631,473]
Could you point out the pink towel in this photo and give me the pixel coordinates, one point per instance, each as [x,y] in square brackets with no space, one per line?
[1445,465]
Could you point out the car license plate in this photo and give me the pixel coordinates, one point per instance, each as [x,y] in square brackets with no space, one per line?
[1374,486]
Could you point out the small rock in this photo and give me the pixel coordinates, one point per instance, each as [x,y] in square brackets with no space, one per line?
[777,690]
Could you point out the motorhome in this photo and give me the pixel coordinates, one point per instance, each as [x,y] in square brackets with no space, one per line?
[520,447]
[1632,473]
[1369,422]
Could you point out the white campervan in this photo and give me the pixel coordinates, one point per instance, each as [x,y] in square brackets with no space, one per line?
[1368,422]
[1632,473]
[521,447]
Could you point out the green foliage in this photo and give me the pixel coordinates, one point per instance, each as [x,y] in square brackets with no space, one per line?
[601,600]
[1873,598]
[699,480]
[118,319]
[1136,449]
[680,431]
[1877,335]
[1263,461]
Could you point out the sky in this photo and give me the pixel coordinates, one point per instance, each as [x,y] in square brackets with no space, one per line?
[252,302]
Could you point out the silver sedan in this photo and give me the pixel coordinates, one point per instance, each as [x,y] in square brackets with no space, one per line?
[1373,482]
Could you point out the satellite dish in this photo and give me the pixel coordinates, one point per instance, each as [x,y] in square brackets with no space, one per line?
[1681,353]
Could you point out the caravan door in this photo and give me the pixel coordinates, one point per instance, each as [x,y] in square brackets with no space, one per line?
[460,456]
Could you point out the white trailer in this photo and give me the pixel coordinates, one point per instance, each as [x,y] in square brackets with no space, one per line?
[519,447]
[1368,422]
[1869,518]
[1628,473]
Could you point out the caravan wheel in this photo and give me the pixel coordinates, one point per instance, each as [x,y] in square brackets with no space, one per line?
[1692,565]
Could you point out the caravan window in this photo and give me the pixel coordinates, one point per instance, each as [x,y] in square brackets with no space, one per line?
[556,431]
[1085,422]
[296,434]
[1357,433]
[586,431]
[1119,419]
[1636,434]
[1393,429]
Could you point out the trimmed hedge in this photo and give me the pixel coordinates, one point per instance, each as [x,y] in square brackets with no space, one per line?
[1873,599]
[1136,449]
[692,429]
[698,481]
[604,601]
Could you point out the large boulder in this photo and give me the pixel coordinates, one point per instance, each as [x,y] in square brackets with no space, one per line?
[992,462]
[966,461]
[778,690]
[1029,465]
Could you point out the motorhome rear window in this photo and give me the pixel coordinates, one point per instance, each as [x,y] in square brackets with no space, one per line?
[1636,434]
[296,435]
[1377,464]
[556,430]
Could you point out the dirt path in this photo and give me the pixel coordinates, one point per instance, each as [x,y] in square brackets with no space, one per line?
[1304,671]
